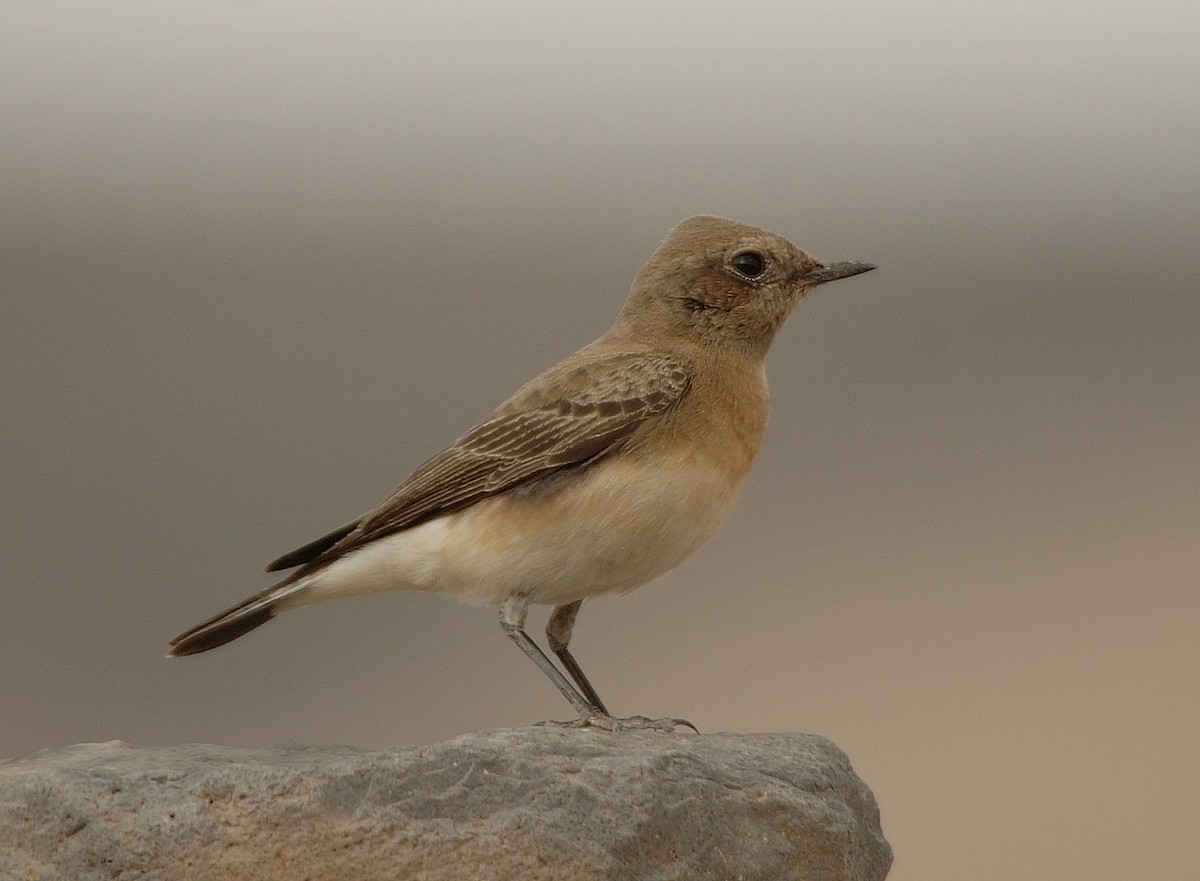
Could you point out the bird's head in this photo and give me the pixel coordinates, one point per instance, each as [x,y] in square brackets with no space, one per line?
[723,283]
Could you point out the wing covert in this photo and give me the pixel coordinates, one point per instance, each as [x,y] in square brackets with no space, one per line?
[568,416]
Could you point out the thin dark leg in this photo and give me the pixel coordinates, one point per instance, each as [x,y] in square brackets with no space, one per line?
[558,635]
[512,619]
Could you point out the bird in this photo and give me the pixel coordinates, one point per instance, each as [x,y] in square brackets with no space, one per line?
[597,476]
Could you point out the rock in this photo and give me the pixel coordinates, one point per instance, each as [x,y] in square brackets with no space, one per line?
[529,803]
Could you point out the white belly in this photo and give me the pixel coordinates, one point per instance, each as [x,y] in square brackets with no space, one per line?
[615,527]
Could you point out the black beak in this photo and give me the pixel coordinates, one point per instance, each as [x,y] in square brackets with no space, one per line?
[834,271]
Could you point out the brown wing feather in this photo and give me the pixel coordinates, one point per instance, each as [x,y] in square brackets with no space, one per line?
[312,550]
[564,418]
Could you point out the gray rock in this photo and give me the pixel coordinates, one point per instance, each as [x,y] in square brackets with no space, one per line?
[529,803]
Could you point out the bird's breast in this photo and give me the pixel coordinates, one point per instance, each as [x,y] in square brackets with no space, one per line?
[611,527]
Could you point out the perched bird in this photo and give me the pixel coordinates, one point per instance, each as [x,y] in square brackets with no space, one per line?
[600,474]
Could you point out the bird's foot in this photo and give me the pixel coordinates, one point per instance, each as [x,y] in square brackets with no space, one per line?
[630,723]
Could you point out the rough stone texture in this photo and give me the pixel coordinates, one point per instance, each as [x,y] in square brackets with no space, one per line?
[530,803]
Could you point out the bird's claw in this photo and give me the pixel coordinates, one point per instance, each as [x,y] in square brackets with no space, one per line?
[629,723]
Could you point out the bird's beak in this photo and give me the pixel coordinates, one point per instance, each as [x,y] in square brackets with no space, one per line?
[834,271]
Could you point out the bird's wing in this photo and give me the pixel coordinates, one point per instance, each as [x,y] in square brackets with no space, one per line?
[567,417]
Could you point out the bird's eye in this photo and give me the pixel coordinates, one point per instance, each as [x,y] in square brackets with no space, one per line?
[751,264]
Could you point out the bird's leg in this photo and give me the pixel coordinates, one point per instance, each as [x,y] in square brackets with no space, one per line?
[512,619]
[592,713]
[558,635]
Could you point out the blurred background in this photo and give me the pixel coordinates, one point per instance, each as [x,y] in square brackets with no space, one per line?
[259,260]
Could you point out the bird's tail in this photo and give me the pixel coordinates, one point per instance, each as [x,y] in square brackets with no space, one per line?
[236,621]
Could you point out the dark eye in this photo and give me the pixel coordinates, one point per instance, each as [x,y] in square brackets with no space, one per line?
[749,263]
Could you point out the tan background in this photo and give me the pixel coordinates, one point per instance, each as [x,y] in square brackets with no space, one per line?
[258,262]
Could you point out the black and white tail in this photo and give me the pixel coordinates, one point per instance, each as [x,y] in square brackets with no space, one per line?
[236,621]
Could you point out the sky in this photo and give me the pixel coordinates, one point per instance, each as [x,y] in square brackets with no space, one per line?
[259,260]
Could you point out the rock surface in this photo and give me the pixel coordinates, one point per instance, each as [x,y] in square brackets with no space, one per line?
[530,803]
